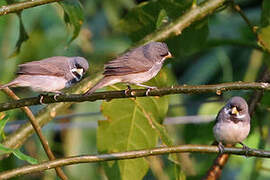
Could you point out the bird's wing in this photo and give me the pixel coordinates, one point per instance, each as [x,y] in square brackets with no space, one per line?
[218,116]
[54,66]
[130,63]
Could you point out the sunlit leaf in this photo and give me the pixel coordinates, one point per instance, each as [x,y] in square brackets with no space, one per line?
[18,154]
[264,32]
[132,124]
[264,36]
[115,8]
[73,16]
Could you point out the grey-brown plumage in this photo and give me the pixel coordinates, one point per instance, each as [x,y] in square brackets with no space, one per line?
[232,123]
[134,67]
[51,74]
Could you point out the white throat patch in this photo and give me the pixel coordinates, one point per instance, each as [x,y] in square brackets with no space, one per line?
[240,116]
[79,73]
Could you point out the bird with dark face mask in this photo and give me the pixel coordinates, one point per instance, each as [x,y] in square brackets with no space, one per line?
[134,67]
[232,123]
[50,75]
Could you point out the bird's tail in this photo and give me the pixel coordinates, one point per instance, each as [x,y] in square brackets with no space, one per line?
[106,81]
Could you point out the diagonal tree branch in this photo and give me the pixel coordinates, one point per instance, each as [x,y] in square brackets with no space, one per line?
[108,95]
[194,14]
[37,128]
[17,138]
[129,155]
[16,7]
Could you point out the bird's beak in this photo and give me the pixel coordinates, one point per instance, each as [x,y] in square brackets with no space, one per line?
[235,111]
[169,56]
[79,71]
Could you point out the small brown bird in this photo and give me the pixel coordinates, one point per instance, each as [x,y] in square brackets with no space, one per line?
[232,123]
[50,75]
[134,67]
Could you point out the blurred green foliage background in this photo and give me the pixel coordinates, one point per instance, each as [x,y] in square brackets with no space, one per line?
[219,48]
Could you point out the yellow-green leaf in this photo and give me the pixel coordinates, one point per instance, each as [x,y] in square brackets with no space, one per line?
[73,16]
[132,124]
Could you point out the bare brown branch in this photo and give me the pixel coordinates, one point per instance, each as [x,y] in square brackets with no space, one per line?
[108,95]
[37,129]
[16,7]
[129,155]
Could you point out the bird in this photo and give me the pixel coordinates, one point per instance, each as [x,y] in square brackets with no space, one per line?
[50,75]
[232,123]
[135,66]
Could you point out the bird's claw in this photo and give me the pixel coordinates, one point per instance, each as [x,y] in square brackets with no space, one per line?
[55,96]
[41,97]
[245,148]
[127,90]
[221,148]
[149,89]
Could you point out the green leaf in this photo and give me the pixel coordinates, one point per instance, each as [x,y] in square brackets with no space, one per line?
[23,36]
[142,19]
[24,157]
[18,154]
[163,19]
[152,15]
[73,16]
[265,17]
[264,33]
[3,121]
[131,124]
[264,36]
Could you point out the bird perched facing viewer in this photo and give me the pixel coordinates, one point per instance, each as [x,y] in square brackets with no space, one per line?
[135,66]
[232,123]
[50,75]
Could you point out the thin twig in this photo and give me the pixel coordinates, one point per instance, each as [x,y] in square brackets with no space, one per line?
[129,155]
[109,95]
[37,128]
[16,7]
[242,14]
[260,41]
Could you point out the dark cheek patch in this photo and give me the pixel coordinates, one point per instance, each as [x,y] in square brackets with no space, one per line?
[77,75]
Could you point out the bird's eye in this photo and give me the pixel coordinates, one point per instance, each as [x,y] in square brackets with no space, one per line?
[239,108]
[164,54]
[78,66]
